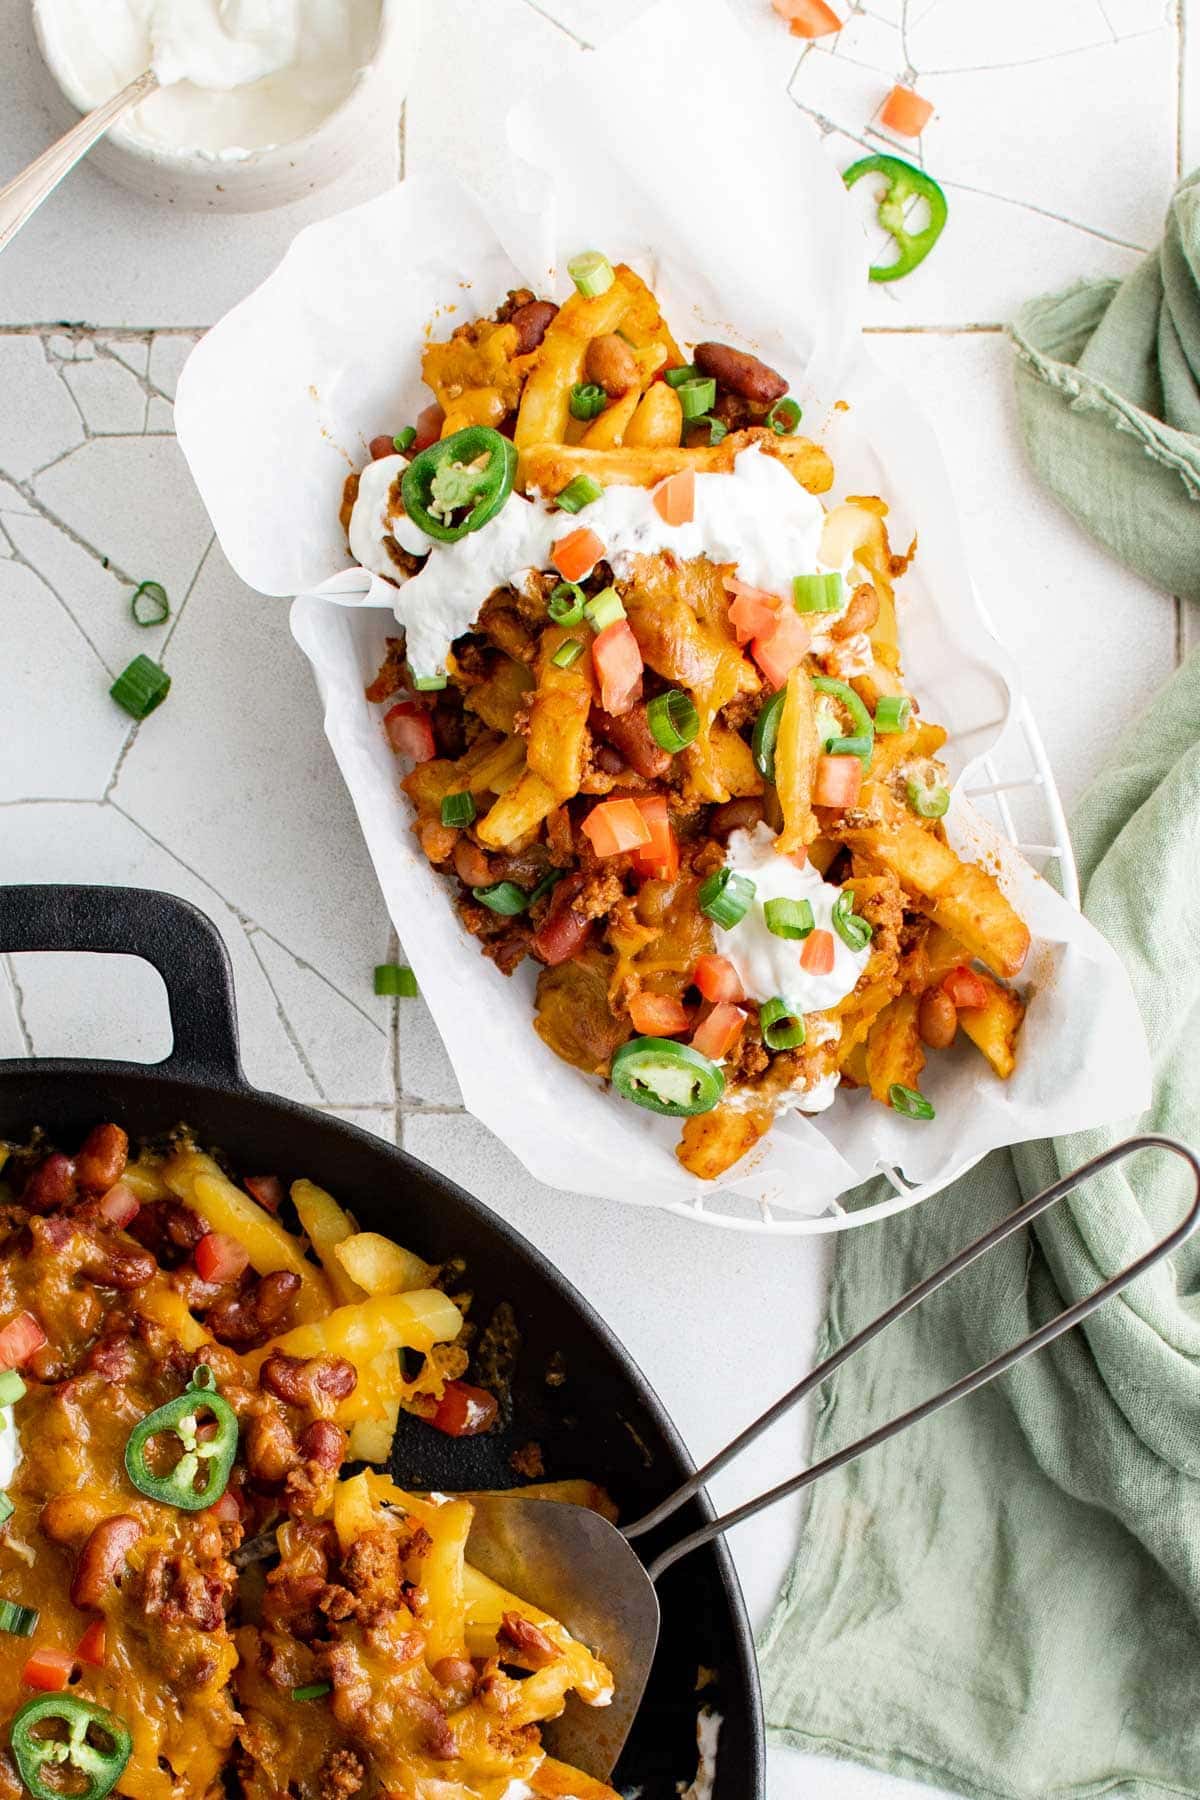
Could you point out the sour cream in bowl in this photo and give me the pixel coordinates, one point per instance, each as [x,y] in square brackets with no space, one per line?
[260,101]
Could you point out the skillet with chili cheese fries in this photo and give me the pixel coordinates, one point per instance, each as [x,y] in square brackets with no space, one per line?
[196,1602]
[650,696]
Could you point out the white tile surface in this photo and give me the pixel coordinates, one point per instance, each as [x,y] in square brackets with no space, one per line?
[1058,131]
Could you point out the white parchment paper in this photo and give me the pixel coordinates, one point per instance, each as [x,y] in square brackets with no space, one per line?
[728,207]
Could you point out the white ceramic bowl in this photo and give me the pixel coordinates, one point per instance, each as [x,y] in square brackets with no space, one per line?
[280,173]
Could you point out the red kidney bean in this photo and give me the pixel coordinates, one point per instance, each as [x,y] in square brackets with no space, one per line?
[270,1448]
[630,734]
[562,934]
[244,1317]
[312,1381]
[51,1184]
[323,1443]
[101,1158]
[383,445]
[740,373]
[532,321]
[102,1559]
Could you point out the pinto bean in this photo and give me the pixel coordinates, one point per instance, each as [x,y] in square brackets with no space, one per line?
[323,1443]
[439,1739]
[458,1674]
[937,1018]
[437,840]
[740,373]
[69,1518]
[630,734]
[51,1184]
[532,322]
[526,1642]
[735,815]
[101,1158]
[243,1318]
[611,364]
[862,614]
[313,1381]
[270,1447]
[471,864]
[102,1559]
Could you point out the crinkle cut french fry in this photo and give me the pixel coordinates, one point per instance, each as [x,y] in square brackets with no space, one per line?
[550,464]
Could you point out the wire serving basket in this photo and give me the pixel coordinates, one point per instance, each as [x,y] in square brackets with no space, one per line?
[1013,787]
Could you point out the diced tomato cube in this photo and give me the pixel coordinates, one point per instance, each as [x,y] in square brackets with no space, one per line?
[905,112]
[19,1339]
[49,1670]
[717,978]
[837,782]
[818,953]
[120,1205]
[616,826]
[219,1257]
[617,661]
[808,18]
[675,498]
[410,731]
[266,1189]
[577,554]
[965,988]
[465,1411]
[715,1036]
[659,859]
[658,1015]
[91,1646]
[752,611]
[787,642]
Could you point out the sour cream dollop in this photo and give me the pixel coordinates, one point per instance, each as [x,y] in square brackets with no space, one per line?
[10,1446]
[236,75]
[756,515]
[768,965]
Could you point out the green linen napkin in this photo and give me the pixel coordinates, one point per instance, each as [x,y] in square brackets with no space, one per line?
[1005,1600]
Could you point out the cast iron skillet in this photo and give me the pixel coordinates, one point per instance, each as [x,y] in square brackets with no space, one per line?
[601,1419]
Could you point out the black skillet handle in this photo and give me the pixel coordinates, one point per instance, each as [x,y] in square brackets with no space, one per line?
[169,933]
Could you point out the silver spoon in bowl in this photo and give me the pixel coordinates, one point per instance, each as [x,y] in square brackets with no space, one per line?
[575,1565]
[25,192]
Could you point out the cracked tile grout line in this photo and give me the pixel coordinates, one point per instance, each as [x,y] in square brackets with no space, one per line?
[289,1030]
[580,42]
[49,517]
[19,1007]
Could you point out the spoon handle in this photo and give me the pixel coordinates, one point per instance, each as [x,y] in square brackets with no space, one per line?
[967,1384]
[25,193]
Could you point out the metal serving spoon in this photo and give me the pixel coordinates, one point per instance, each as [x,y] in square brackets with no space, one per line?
[25,193]
[584,1571]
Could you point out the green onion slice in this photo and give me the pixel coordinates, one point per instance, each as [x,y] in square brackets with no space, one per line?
[404,440]
[567,653]
[766,730]
[149,604]
[817,593]
[578,493]
[314,1690]
[784,417]
[604,610]
[928,802]
[458,809]
[906,1100]
[789,918]
[666,1077]
[18,1621]
[397,979]
[504,897]
[6,1508]
[587,400]
[430,684]
[725,898]
[12,1388]
[697,396]
[782,1028]
[545,885]
[566,604]
[717,428]
[893,713]
[854,931]
[673,720]
[592,273]
[141,687]
[676,377]
[851,746]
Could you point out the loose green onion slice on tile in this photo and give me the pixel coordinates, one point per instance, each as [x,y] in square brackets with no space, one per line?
[6,1508]
[673,720]
[504,897]
[854,931]
[782,1028]
[568,652]
[789,918]
[604,610]
[395,979]
[717,428]
[592,273]
[928,802]
[784,417]
[459,808]
[18,1621]
[817,593]
[141,687]
[578,493]
[12,1388]
[906,1100]
[404,440]
[430,684]
[313,1690]
[587,400]
[893,713]
[697,396]
[766,730]
[725,898]
[566,604]
[676,377]
[149,604]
